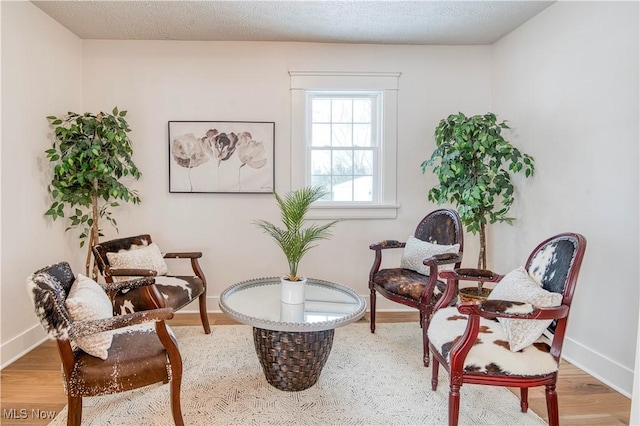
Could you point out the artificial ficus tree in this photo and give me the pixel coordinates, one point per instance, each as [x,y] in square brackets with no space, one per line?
[91,154]
[474,164]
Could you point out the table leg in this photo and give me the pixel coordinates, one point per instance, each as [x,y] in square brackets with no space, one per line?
[292,361]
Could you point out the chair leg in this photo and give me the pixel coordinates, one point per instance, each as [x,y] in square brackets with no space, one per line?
[74,414]
[372,310]
[204,317]
[425,338]
[454,405]
[524,399]
[552,404]
[176,409]
[434,374]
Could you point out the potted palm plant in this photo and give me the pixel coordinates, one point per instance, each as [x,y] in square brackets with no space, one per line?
[294,240]
[474,164]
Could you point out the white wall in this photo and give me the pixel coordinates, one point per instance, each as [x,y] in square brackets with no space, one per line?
[568,81]
[41,76]
[157,81]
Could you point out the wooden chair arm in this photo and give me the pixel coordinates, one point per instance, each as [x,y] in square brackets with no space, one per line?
[183,255]
[387,244]
[443,259]
[126,272]
[86,328]
[117,286]
[472,275]
[500,309]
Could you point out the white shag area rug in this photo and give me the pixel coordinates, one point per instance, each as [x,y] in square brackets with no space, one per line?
[369,379]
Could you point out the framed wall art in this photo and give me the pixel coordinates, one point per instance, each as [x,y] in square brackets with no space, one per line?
[221,156]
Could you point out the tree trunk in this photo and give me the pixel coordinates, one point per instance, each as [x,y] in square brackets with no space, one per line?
[94,233]
[482,256]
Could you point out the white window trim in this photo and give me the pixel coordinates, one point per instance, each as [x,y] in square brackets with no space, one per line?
[302,81]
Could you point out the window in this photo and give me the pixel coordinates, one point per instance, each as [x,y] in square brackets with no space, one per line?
[344,138]
[343,131]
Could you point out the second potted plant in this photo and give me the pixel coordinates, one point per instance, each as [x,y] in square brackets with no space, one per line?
[474,164]
[294,240]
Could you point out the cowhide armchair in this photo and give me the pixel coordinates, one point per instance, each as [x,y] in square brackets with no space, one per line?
[139,256]
[437,243]
[522,347]
[124,357]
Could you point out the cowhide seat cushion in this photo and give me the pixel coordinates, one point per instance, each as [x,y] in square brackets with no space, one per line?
[178,291]
[406,282]
[128,370]
[490,354]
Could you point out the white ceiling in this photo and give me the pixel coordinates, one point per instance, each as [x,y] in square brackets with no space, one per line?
[329,21]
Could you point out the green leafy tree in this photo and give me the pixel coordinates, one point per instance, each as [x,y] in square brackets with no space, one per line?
[474,165]
[294,240]
[90,155]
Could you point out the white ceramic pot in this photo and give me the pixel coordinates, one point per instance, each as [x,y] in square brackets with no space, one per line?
[292,292]
[292,312]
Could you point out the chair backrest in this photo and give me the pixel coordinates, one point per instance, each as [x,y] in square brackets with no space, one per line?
[556,263]
[114,246]
[441,226]
[49,288]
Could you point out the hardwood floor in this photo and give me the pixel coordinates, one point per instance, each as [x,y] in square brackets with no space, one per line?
[31,388]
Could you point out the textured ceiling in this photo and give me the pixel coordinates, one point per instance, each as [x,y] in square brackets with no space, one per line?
[379,22]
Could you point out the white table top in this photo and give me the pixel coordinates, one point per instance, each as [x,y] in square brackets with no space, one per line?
[257,303]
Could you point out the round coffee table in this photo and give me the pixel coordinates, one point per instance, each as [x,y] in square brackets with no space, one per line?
[292,341]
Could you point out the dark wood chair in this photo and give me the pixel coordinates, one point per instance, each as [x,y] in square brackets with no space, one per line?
[475,348]
[409,287]
[137,356]
[177,290]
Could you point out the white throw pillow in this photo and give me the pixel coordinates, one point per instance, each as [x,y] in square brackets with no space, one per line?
[519,286]
[88,301]
[146,257]
[416,251]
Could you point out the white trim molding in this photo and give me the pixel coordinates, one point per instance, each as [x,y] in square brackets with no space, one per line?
[388,84]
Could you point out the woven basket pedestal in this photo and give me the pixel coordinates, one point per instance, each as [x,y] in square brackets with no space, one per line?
[292,361]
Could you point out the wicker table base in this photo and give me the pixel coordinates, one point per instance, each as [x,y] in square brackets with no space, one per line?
[292,361]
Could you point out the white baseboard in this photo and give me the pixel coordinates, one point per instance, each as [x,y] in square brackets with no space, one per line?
[608,371]
[21,344]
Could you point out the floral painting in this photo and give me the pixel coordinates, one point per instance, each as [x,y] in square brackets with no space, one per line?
[221,156]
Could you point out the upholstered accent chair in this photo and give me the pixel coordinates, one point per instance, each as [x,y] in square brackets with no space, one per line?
[139,256]
[437,243]
[134,350]
[515,337]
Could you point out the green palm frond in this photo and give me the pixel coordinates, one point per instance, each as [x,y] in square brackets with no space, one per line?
[295,241]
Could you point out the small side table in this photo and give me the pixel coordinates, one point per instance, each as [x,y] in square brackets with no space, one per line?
[293,342]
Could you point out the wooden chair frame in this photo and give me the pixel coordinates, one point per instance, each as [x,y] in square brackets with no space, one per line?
[475,310]
[100,252]
[72,366]
[442,226]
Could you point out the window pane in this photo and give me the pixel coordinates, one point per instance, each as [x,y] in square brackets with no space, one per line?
[363,188]
[363,163]
[342,163]
[361,135]
[325,182]
[321,110]
[343,145]
[341,110]
[341,134]
[342,189]
[362,110]
[320,162]
[321,134]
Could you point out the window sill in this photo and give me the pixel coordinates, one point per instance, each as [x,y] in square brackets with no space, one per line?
[352,211]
